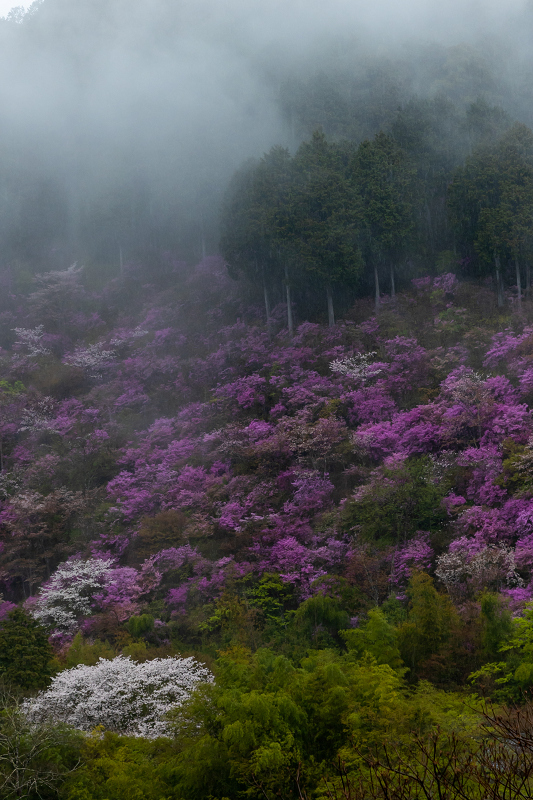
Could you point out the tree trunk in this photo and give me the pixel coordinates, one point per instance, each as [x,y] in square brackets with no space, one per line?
[290,323]
[267,304]
[392,284]
[528,278]
[518,280]
[499,286]
[331,313]
[266,297]
[376,283]
[430,227]
[202,238]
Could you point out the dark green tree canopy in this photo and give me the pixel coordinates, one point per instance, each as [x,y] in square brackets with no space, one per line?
[317,219]
[25,652]
[386,181]
[491,199]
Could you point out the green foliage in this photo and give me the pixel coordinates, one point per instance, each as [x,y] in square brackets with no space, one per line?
[237,738]
[400,502]
[325,215]
[120,768]
[272,596]
[429,624]
[491,200]
[319,619]
[34,758]
[141,625]
[318,218]
[378,638]
[265,722]
[25,653]
[515,475]
[497,625]
[521,638]
[10,390]
[233,622]
[254,217]
[86,652]
[268,727]
[394,611]
[386,181]
[509,678]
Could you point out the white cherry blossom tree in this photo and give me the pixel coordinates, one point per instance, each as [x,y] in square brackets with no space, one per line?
[67,596]
[119,694]
[358,367]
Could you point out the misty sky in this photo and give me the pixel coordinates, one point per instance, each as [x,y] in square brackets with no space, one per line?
[166,98]
[414,16]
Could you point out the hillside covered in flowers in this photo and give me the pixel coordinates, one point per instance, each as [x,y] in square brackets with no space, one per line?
[347,511]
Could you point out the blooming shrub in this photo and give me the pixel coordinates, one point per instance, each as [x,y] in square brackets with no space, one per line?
[93,359]
[358,367]
[31,340]
[119,695]
[67,596]
[492,566]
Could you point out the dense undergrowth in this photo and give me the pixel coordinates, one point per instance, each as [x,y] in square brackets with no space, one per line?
[338,524]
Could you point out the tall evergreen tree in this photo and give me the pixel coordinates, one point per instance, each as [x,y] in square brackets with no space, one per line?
[326,214]
[491,206]
[254,224]
[25,652]
[386,182]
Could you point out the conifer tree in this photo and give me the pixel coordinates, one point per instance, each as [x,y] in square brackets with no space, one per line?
[386,182]
[491,203]
[326,218]
[25,652]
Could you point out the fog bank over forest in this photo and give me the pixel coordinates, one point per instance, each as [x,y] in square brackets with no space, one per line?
[122,122]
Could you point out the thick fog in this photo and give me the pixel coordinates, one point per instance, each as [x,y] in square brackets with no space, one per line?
[122,120]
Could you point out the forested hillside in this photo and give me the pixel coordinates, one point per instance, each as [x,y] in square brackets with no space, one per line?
[338,524]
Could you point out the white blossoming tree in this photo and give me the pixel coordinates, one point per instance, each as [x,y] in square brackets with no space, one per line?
[358,367]
[493,566]
[126,336]
[39,416]
[119,694]
[92,358]
[31,340]
[67,596]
